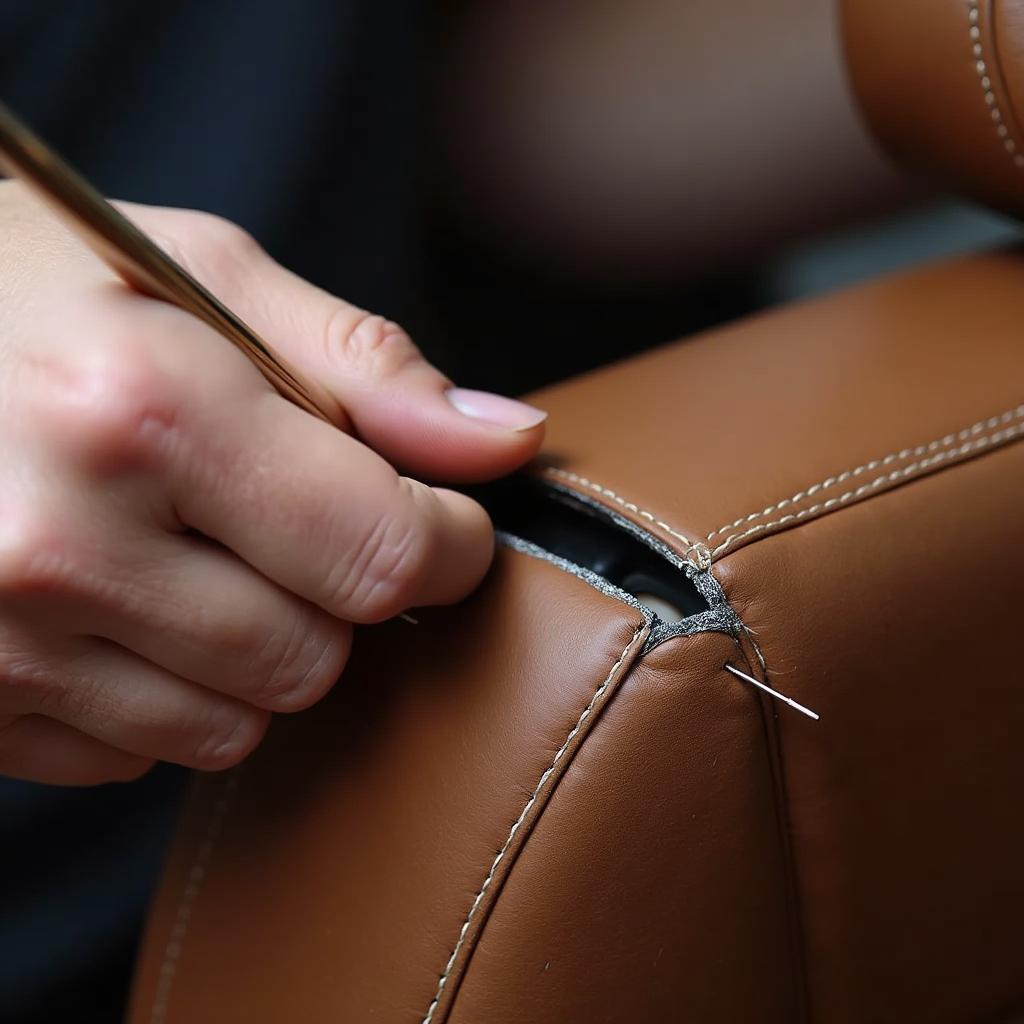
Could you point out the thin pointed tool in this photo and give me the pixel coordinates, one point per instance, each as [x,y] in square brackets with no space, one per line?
[136,258]
[775,693]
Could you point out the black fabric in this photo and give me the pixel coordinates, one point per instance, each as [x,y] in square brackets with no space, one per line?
[76,870]
[298,120]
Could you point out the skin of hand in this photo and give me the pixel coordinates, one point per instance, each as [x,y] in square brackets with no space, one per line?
[182,551]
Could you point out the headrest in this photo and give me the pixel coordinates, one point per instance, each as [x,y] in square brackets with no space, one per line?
[941,83]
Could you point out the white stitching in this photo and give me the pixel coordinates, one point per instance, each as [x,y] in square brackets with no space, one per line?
[193,883]
[914,467]
[980,66]
[519,821]
[943,442]
[704,557]
[584,482]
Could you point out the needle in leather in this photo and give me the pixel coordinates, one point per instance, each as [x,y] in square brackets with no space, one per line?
[775,693]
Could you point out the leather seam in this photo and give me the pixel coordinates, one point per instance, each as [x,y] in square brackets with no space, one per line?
[702,557]
[783,820]
[699,554]
[985,75]
[446,974]
[189,894]
[916,468]
[893,457]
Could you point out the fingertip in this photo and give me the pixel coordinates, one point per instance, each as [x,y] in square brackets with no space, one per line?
[464,548]
[470,523]
[248,726]
[318,679]
[495,410]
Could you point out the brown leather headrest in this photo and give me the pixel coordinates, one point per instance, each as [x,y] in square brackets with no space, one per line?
[942,85]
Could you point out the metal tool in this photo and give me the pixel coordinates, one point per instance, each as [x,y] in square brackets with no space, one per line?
[775,693]
[135,257]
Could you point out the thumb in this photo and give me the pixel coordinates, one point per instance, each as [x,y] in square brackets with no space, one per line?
[398,403]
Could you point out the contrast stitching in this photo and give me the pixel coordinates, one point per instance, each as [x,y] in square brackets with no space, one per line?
[981,67]
[888,478]
[584,482]
[906,453]
[193,883]
[704,557]
[703,560]
[475,906]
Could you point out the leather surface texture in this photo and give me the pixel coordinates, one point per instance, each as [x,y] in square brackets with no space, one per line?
[799,412]
[519,809]
[941,84]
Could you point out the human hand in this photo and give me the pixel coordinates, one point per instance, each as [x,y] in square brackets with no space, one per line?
[182,551]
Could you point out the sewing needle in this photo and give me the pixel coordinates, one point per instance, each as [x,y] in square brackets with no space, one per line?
[775,693]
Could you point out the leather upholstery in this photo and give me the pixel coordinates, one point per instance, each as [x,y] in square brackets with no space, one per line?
[905,815]
[941,83]
[746,417]
[514,811]
[369,820]
[653,888]
[521,809]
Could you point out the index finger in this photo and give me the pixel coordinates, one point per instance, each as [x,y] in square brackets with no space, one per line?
[321,514]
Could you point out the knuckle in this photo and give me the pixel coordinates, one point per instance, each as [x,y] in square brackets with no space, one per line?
[116,406]
[21,670]
[38,680]
[36,557]
[70,695]
[217,232]
[294,667]
[227,734]
[387,569]
[215,248]
[367,342]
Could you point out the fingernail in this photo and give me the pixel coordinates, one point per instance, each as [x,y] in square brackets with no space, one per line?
[496,409]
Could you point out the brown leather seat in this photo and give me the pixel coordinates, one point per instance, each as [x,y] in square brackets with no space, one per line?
[548,804]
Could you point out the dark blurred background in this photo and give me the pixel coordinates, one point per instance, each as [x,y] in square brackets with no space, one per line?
[532,190]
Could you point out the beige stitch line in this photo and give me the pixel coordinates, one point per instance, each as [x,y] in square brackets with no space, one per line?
[584,482]
[915,467]
[905,453]
[193,883]
[519,821]
[984,79]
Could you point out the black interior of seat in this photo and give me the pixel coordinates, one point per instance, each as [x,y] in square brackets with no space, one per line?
[587,535]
